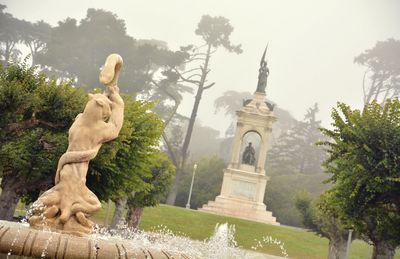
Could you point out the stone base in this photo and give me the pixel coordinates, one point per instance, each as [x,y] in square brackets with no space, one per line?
[242,196]
[20,241]
[240,208]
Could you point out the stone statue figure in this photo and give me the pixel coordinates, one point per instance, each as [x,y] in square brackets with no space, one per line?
[263,73]
[67,206]
[249,155]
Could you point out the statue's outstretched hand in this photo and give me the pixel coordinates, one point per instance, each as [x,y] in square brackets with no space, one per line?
[112,89]
[113,95]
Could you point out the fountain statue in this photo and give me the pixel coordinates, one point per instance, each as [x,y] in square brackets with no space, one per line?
[59,219]
[67,206]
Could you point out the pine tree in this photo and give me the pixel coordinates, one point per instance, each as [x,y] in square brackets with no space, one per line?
[295,150]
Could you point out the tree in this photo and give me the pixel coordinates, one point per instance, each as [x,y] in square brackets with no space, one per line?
[364,150]
[36,36]
[207,182]
[294,165]
[281,191]
[295,151]
[101,33]
[12,32]
[35,114]
[205,142]
[159,180]
[231,101]
[382,76]
[322,218]
[215,32]
[77,50]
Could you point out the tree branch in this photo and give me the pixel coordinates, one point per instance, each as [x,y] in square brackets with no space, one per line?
[12,46]
[194,76]
[185,79]
[170,150]
[371,90]
[177,103]
[193,59]
[199,54]
[363,85]
[190,70]
[23,125]
[199,47]
[208,86]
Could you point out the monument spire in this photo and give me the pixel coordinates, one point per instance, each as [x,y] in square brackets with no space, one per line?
[263,73]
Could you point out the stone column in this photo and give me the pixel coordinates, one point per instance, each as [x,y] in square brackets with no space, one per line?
[237,143]
[262,156]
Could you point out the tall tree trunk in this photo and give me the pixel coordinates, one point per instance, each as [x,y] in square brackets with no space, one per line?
[184,151]
[383,250]
[10,195]
[337,247]
[120,203]
[7,54]
[174,190]
[379,88]
[371,90]
[134,216]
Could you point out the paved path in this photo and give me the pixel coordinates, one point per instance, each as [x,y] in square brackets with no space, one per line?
[255,255]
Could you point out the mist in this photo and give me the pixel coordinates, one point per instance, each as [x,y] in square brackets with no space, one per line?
[312,44]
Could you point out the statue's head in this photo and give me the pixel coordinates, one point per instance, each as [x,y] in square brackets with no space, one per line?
[249,144]
[98,107]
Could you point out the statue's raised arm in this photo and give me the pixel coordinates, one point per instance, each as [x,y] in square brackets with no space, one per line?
[69,203]
[109,77]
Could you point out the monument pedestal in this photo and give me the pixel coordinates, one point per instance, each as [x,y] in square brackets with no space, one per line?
[243,186]
[242,197]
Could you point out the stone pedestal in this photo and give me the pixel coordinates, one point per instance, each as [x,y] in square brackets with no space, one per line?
[243,185]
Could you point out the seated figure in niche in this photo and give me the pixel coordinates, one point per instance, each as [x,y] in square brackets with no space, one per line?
[249,155]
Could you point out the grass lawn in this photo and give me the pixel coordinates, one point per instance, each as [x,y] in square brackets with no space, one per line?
[199,225]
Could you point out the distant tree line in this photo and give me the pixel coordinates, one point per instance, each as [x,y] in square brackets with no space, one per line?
[74,50]
[36,110]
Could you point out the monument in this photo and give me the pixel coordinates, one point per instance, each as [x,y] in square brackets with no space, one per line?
[244,181]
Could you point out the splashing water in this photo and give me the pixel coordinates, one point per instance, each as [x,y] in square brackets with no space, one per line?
[48,241]
[267,240]
[221,244]
[13,242]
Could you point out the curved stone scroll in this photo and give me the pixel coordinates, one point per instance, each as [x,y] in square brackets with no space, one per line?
[68,205]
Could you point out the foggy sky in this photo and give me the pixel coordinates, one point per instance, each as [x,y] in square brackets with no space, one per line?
[312,44]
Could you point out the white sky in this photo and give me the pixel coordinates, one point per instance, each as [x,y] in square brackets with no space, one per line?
[312,43]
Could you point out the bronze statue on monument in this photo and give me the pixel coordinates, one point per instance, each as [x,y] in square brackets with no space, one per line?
[263,73]
[249,155]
